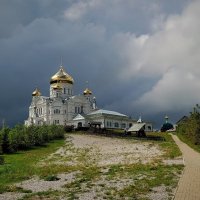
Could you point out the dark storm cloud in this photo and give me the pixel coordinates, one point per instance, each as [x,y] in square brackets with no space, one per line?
[15,14]
[100,42]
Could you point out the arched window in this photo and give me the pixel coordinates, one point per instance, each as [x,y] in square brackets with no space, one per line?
[56,111]
[80,124]
[40,111]
[56,122]
[149,128]
[108,123]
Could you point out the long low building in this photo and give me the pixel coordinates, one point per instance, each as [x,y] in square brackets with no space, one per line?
[105,118]
[110,119]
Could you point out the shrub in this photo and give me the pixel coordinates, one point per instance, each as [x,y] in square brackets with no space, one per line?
[191,127]
[1,160]
[5,146]
[51,178]
[22,137]
[1,142]
[18,138]
[69,128]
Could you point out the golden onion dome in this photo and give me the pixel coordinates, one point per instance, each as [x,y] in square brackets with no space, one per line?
[61,77]
[87,92]
[36,92]
[56,87]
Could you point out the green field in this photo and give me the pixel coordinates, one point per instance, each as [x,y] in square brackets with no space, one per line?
[23,164]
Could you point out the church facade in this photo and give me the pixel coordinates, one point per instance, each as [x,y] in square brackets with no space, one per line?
[62,107]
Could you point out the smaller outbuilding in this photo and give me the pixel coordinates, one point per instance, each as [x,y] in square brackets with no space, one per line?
[182,120]
[138,128]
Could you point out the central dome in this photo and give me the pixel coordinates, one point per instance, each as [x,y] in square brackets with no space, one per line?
[61,77]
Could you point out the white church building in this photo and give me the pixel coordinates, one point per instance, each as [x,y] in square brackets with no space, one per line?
[62,107]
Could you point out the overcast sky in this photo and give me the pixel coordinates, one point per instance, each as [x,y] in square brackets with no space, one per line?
[141,57]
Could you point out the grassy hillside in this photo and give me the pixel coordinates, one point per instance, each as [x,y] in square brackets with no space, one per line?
[23,165]
[189,130]
[134,180]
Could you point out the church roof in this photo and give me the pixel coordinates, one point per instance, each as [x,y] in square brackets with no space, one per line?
[79,117]
[136,127]
[140,120]
[36,92]
[61,77]
[183,119]
[107,112]
[87,92]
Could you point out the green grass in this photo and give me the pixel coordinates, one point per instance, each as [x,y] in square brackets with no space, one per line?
[186,140]
[153,176]
[168,145]
[22,165]
[165,141]
[50,195]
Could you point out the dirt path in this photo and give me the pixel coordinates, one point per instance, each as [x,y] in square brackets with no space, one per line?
[189,184]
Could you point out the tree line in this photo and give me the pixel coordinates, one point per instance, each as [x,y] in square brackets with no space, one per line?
[190,127]
[22,137]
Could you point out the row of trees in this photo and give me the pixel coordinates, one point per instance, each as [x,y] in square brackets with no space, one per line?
[21,137]
[190,127]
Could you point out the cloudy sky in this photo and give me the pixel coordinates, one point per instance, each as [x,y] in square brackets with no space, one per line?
[141,57]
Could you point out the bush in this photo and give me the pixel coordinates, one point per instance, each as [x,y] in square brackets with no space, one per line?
[69,128]
[18,138]
[22,137]
[5,144]
[1,160]
[51,178]
[190,128]
[1,142]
